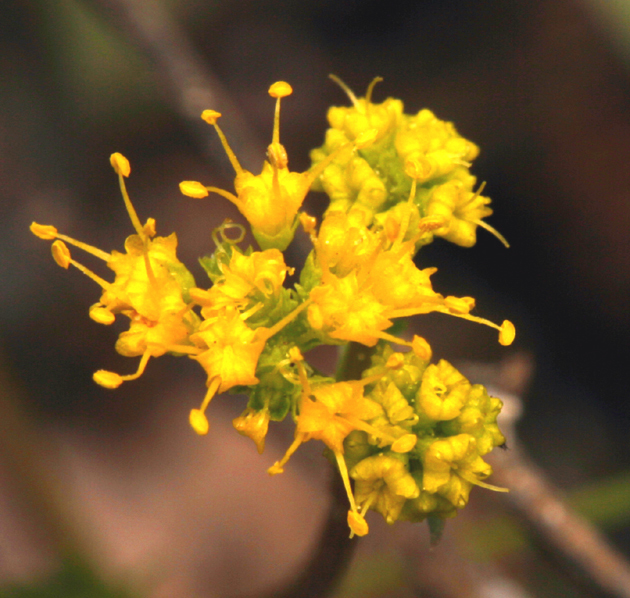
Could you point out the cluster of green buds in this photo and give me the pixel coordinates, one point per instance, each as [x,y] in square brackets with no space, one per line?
[411,434]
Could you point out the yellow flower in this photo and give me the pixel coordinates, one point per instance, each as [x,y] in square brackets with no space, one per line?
[254,425]
[344,243]
[246,280]
[452,466]
[344,311]
[383,483]
[443,391]
[399,416]
[367,280]
[270,201]
[434,143]
[149,288]
[330,412]
[462,211]
[228,350]
[363,115]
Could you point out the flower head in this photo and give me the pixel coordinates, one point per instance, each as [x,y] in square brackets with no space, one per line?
[383,483]
[149,287]
[270,200]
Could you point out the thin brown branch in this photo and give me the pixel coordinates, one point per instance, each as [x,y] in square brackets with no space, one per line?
[562,531]
[187,78]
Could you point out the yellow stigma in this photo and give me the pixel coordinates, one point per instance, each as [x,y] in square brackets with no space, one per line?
[121,164]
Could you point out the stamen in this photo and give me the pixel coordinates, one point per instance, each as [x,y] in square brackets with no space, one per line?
[346,89]
[492,231]
[477,482]
[278,90]
[212,389]
[278,466]
[211,116]
[130,209]
[141,367]
[197,417]
[66,259]
[95,251]
[229,196]
[343,470]
[368,93]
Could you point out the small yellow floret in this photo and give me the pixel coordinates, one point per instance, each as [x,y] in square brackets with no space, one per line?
[210,116]
[193,189]
[107,379]
[199,421]
[61,254]
[120,164]
[254,425]
[507,333]
[280,89]
[357,523]
[44,231]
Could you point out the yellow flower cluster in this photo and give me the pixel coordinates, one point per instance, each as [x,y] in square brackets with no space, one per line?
[411,434]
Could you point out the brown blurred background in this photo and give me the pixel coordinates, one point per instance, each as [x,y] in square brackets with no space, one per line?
[542,86]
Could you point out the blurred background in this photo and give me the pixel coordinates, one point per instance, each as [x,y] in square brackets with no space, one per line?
[543,87]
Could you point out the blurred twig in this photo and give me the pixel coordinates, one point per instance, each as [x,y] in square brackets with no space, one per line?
[563,532]
[187,78]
